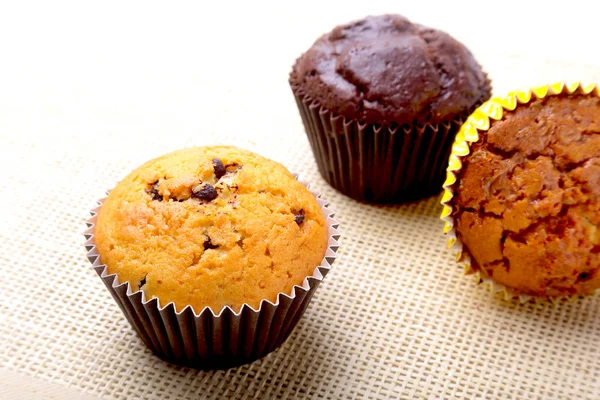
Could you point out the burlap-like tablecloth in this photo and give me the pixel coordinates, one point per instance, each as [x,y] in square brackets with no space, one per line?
[395,318]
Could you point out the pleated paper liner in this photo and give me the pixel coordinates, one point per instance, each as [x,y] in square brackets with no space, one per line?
[210,340]
[477,122]
[379,164]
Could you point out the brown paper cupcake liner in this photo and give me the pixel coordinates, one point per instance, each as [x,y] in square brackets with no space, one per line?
[379,164]
[479,121]
[208,340]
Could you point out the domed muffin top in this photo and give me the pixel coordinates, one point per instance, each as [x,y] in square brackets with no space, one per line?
[387,70]
[211,226]
[527,199]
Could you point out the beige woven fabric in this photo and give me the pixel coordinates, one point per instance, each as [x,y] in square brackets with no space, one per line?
[395,318]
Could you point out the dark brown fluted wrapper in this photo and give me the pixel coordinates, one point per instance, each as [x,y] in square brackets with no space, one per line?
[208,340]
[378,164]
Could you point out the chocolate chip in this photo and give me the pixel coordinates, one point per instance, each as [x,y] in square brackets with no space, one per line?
[219,168]
[299,216]
[205,192]
[208,243]
[154,192]
[584,276]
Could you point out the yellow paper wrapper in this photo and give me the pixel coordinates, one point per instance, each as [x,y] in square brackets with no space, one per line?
[480,121]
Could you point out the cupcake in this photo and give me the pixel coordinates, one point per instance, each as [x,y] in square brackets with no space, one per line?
[212,253]
[381,100]
[523,192]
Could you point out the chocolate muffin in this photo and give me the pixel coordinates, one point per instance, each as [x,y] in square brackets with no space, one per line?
[381,100]
[527,199]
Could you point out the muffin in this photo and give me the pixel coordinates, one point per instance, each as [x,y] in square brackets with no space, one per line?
[524,203]
[214,233]
[381,100]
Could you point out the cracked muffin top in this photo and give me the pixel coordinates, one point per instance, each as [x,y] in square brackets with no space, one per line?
[527,205]
[387,70]
[211,226]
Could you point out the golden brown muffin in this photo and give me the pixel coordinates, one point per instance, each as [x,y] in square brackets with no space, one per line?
[527,201]
[211,226]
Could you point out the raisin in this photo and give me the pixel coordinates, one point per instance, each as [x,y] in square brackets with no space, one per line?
[208,244]
[299,216]
[205,192]
[154,192]
[218,167]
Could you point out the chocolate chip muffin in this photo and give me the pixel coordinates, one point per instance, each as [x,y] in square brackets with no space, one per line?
[381,100]
[211,227]
[527,199]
